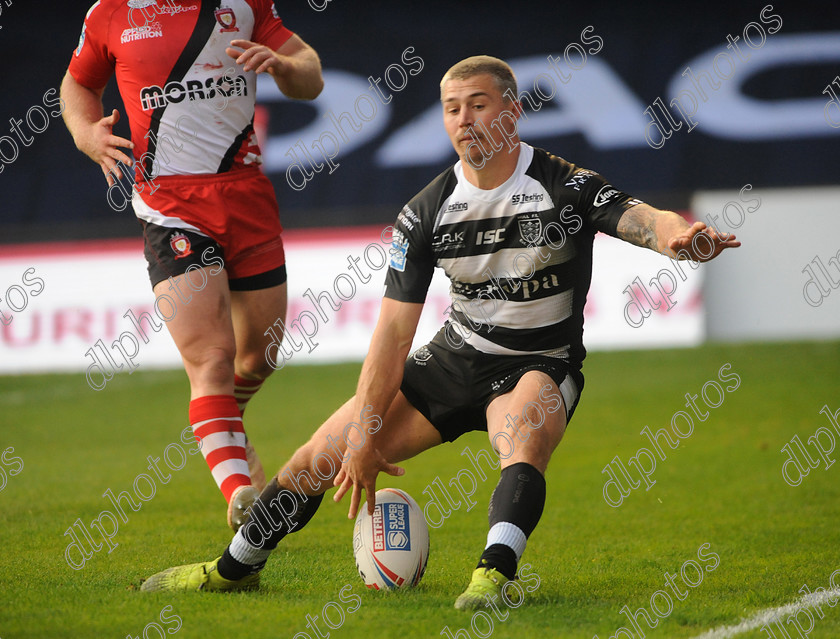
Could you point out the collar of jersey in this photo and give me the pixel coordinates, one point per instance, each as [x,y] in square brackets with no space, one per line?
[526,154]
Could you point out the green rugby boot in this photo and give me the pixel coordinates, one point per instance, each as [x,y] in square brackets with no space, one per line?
[484,582]
[195,577]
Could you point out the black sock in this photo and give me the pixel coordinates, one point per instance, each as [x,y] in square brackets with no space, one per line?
[276,513]
[500,557]
[231,569]
[515,508]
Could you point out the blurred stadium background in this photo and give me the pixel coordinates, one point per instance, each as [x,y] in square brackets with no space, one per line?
[765,126]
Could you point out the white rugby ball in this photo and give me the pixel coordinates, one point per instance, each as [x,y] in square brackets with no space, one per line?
[392,546]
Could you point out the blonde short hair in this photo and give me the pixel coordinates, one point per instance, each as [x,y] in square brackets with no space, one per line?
[498,69]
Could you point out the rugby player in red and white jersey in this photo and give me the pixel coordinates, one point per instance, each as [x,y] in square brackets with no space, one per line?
[186,72]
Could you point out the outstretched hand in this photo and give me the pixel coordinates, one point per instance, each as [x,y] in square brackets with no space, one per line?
[701,243]
[103,147]
[359,472]
[257,57]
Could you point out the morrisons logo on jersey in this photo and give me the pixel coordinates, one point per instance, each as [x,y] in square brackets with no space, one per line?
[154,97]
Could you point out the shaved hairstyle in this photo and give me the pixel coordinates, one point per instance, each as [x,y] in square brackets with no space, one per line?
[498,69]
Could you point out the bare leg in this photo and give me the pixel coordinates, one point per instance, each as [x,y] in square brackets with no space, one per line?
[525,429]
[404,434]
[203,332]
[253,312]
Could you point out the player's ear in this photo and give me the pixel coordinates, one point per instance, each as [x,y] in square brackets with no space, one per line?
[515,107]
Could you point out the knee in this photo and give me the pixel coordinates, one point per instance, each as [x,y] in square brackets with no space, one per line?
[309,471]
[212,363]
[529,441]
[319,455]
[302,457]
[521,428]
[533,415]
[211,356]
[253,366]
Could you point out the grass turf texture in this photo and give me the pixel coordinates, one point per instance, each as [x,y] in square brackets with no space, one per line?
[723,485]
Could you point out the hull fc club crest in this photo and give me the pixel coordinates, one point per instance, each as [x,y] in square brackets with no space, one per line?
[227,18]
[530,230]
[422,355]
[180,245]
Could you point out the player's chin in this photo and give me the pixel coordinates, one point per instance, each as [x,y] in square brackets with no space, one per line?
[475,159]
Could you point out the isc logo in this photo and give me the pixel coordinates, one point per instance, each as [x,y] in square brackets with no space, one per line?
[490,237]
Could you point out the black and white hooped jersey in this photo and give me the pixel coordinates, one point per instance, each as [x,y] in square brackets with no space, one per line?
[519,257]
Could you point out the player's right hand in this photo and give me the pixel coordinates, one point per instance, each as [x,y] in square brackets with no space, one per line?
[685,242]
[103,147]
[360,471]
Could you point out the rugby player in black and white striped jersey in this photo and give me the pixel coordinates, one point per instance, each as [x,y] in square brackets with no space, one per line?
[512,227]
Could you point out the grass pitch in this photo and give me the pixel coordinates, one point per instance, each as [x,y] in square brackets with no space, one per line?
[722,486]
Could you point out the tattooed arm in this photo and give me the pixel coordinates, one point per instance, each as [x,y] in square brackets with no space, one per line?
[668,233]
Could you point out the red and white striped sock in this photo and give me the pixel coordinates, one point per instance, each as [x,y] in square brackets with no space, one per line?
[217,424]
[244,390]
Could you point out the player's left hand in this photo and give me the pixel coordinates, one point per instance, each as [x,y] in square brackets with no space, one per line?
[699,249]
[360,471]
[257,57]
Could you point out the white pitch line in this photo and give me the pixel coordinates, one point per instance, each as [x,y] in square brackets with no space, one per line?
[764,617]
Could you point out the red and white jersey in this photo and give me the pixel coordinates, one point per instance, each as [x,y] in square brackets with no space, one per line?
[189,105]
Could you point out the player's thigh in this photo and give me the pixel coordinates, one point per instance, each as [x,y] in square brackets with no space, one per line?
[527,423]
[201,325]
[253,313]
[405,432]
[401,434]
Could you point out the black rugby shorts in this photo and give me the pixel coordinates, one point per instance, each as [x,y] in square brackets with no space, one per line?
[452,387]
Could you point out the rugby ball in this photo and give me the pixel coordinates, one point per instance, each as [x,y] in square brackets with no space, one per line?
[392,545]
